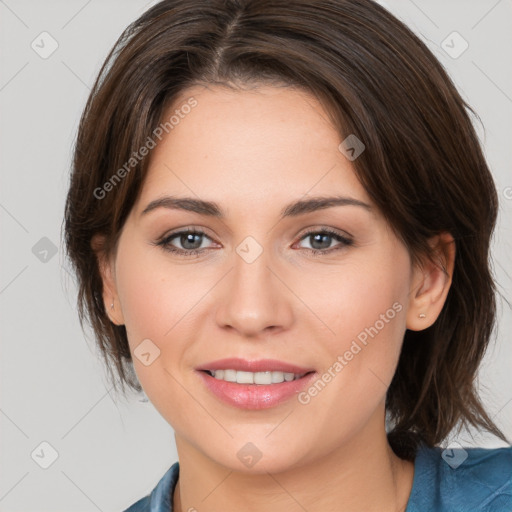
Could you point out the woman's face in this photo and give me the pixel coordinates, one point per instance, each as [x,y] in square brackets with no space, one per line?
[255,290]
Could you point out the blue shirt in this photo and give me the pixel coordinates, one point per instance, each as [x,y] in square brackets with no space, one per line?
[458,480]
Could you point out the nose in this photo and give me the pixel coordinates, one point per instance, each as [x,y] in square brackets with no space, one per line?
[254,299]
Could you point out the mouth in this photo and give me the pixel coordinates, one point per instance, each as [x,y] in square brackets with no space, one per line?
[254,384]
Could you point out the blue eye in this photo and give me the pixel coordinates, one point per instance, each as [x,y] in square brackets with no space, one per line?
[192,240]
[188,238]
[324,237]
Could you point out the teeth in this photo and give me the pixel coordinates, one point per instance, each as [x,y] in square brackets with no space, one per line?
[254,377]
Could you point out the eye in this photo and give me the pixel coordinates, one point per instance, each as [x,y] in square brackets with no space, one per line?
[321,240]
[190,239]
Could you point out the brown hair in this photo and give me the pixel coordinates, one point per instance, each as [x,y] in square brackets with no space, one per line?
[423,165]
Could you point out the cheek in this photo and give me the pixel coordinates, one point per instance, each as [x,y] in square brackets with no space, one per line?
[366,315]
[160,304]
[367,291]
[151,298]
[365,310]
[150,307]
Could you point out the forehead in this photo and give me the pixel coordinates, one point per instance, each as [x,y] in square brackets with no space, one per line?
[262,145]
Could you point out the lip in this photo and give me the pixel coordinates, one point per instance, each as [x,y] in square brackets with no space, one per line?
[261,365]
[255,396]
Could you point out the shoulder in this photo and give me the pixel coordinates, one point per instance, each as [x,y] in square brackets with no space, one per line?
[462,479]
[160,499]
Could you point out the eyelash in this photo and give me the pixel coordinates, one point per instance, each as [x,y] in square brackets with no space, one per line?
[165,242]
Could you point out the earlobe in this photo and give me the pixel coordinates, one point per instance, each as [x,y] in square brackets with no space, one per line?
[107,273]
[431,283]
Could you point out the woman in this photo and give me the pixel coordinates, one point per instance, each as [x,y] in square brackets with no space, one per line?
[280,215]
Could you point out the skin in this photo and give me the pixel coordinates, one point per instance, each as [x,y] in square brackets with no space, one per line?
[253,152]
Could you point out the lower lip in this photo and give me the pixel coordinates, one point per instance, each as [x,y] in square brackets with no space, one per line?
[255,396]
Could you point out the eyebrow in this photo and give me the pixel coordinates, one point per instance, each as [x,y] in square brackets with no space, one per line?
[212,209]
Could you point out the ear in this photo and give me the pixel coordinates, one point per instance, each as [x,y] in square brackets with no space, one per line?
[106,266]
[430,284]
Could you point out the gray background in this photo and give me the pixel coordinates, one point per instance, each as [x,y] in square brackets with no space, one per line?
[110,451]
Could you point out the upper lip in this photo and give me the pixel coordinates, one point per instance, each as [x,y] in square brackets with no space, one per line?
[260,365]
